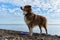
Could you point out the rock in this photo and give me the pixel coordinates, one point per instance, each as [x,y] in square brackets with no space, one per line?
[19,35]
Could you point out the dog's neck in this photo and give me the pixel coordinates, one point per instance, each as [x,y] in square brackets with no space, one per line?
[28,14]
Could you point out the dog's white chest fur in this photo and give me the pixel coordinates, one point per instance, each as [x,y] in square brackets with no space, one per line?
[25,12]
[27,21]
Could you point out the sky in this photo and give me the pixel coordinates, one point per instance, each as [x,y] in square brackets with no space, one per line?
[10,12]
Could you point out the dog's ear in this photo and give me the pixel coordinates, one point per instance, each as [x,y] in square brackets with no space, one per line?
[29,6]
[21,8]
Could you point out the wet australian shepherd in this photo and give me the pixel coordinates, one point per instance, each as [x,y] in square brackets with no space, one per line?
[32,19]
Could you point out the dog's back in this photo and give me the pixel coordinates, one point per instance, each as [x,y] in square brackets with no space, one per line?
[41,20]
[36,19]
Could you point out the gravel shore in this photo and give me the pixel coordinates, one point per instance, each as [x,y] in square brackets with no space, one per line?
[19,35]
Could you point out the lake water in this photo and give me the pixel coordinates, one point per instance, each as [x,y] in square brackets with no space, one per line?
[53,29]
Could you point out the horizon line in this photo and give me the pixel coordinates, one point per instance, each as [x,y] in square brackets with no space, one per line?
[24,24]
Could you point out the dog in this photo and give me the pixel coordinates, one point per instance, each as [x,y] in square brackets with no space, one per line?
[32,19]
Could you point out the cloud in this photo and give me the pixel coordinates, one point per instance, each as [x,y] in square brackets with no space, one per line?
[8,9]
[48,8]
[54,21]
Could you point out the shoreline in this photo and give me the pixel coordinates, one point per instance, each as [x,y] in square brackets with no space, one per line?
[20,35]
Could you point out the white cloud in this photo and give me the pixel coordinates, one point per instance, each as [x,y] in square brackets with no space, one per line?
[22,2]
[12,10]
[7,11]
[2,11]
[55,4]
[57,11]
[53,21]
[52,7]
[55,1]
[47,5]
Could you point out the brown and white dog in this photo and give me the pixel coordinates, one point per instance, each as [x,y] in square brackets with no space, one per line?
[32,19]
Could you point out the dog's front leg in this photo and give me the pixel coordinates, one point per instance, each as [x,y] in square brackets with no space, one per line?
[30,31]
[30,26]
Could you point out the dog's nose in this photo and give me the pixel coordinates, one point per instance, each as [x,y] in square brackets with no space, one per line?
[21,8]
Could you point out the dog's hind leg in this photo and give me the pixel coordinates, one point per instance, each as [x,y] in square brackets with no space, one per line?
[40,29]
[45,29]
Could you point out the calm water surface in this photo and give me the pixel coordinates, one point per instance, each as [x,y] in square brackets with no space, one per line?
[52,28]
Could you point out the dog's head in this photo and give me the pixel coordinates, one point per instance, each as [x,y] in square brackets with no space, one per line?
[26,9]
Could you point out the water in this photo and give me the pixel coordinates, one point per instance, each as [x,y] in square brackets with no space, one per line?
[53,29]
